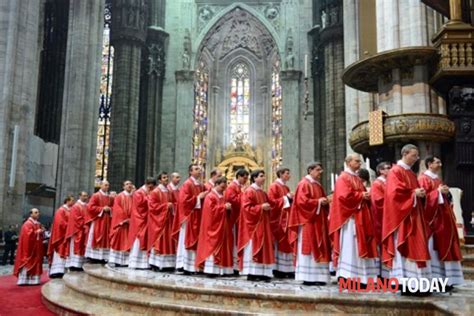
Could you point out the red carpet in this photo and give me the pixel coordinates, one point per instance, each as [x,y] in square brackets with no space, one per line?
[21,300]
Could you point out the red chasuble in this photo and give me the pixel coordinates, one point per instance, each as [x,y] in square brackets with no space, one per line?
[30,252]
[138,219]
[254,225]
[348,202]
[57,241]
[440,221]
[120,216]
[100,219]
[279,215]
[77,229]
[400,215]
[377,192]
[233,195]
[160,223]
[215,236]
[174,191]
[188,195]
[209,186]
[304,212]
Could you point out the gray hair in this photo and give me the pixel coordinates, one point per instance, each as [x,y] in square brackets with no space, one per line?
[407,148]
[313,165]
[350,157]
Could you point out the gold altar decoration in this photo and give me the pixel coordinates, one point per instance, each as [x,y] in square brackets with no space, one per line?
[238,156]
[405,127]
[376,128]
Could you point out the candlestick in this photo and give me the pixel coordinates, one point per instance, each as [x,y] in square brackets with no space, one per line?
[306,65]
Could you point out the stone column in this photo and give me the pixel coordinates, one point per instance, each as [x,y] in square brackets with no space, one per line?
[19,68]
[184,120]
[77,145]
[127,38]
[290,122]
[154,73]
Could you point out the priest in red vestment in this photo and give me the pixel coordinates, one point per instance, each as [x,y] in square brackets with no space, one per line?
[405,251]
[215,174]
[256,242]
[161,246]
[76,233]
[216,241]
[29,255]
[119,245]
[173,187]
[187,220]
[308,229]
[281,197]
[351,227]
[137,236]
[377,193]
[233,195]
[58,247]
[98,216]
[443,239]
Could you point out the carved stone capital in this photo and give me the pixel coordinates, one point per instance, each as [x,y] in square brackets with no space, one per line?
[129,19]
[184,75]
[289,75]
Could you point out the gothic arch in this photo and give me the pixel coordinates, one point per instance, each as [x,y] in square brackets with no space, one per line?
[221,18]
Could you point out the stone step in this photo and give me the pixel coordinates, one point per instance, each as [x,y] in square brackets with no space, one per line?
[468,272]
[468,261]
[467,250]
[127,299]
[66,302]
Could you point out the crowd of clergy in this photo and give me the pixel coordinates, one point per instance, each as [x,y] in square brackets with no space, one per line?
[403,227]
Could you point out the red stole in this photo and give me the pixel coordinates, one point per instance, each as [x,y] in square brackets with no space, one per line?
[77,229]
[377,192]
[348,202]
[100,219]
[279,215]
[400,215]
[120,213]
[57,241]
[440,221]
[254,225]
[215,236]
[160,223]
[29,254]
[315,226]
[188,195]
[138,219]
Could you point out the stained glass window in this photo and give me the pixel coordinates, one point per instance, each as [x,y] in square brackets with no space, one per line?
[240,103]
[201,95]
[103,132]
[276,118]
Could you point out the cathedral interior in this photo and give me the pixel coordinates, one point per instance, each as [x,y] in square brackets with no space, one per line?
[123,89]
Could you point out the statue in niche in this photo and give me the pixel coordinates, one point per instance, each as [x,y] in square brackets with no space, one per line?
[186,50]
[239,138]
[217,155]
[290,57]
[333,16]
[324,19]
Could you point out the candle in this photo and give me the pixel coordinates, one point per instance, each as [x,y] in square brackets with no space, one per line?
[306,65]
[332,181]
[367,163]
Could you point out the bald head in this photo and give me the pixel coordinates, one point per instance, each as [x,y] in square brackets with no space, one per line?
[35,213]
[104,185]
[175,178]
